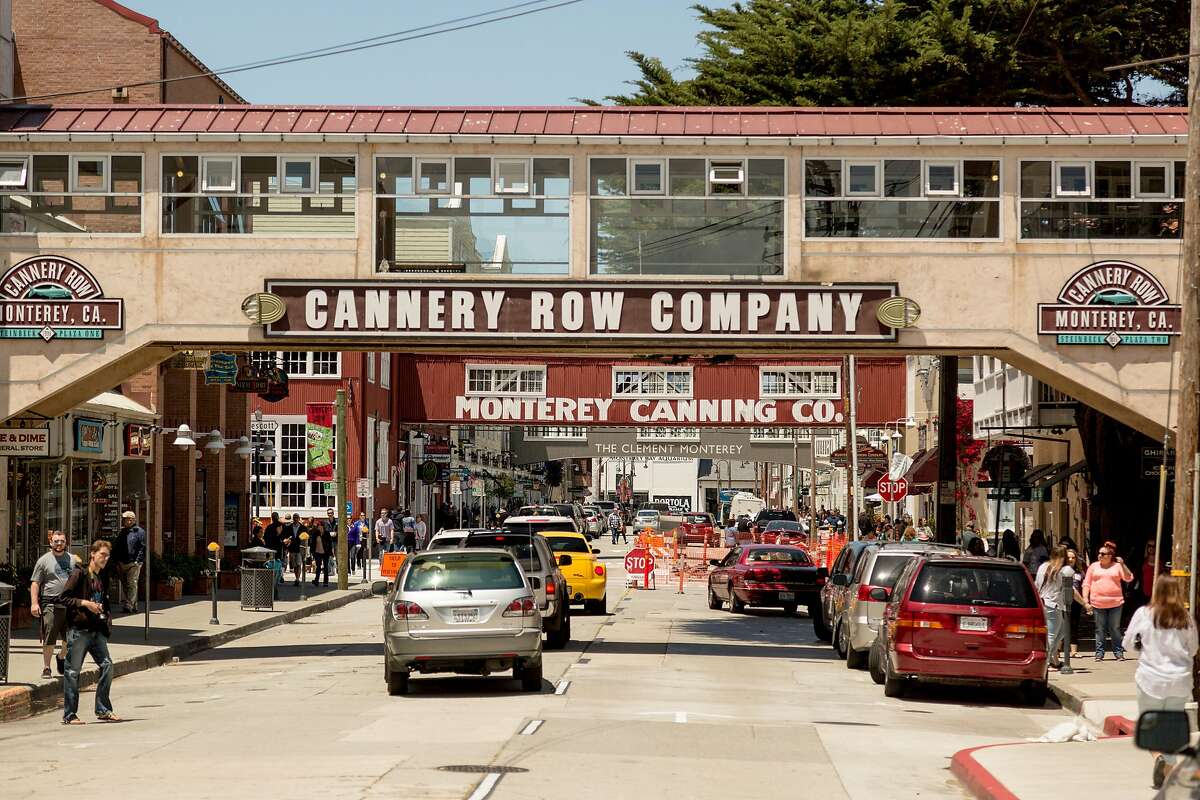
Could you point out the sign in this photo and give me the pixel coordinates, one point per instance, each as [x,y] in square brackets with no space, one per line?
[268,381]
[437,451]
[363,487]
[264,426]
[138,441]
[892,490]
[725,495]
[1113,303]
[428,472]
[571,310]
[390,563]
[349,508]
[868,457]
[318,433]
[946,491]
[679,504]
[48,296]
[640,561]
[89,436]
[222,369]
[578,410]
[232,519]
[24,442]
[1152,459]
[900,465]
[190,360]
[455,487]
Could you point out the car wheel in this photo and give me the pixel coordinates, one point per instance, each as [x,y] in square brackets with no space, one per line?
[839,640]
[820,626]
[557,639]
[1034,694]
[735,605]
[714,602]
[790,609]
[397,683]
[874,665]
[855,659]
[596,606]
[530,676]
[892,686]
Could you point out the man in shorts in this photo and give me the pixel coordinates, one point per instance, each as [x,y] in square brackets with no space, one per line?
[50,575]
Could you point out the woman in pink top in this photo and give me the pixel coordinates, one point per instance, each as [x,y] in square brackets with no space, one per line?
[1102,592]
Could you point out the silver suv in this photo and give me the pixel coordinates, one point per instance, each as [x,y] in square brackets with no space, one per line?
[866,594]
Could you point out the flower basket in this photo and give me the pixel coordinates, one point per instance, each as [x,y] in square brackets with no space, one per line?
[168,589]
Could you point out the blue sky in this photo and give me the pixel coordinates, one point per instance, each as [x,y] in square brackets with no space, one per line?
[541,59]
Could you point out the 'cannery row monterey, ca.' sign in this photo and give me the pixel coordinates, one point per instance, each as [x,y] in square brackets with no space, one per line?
[52,296]
[1113,303]
[558,310]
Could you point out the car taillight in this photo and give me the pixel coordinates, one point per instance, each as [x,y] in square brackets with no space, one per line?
[521,607]
[599,570]
[550,588]
[864,591]
[910,620]
[1017,631]
[402,611]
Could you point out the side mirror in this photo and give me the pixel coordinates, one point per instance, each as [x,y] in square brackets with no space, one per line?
[595,551]
[841,579]
[564,560]
[879,594]
[1163,731]
[715,562]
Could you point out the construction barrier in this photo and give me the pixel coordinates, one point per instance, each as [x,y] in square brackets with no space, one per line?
[390,563]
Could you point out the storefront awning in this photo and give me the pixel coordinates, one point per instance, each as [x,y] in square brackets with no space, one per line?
[924,469]
[1061,474]
[871,479]
[1036,474]
[118,405]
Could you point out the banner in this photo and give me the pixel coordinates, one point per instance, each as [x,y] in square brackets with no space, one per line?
[319,437]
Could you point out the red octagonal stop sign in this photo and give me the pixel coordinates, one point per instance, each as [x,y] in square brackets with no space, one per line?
[893,491]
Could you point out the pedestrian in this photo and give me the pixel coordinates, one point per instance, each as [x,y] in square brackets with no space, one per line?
[1037,553]
[291,542]
[1077,605]
[385,532]
[976,547]
[910,534]
[1103,593]
[321,542]
[1010,548]
[1148,571]
[354,540]
[924,532]
[616,524]
[273,536]
[422,531]
[408,532]
[1055,582]
[256,537]
[46,586]
[89,624]
[129,553]
[1164,635]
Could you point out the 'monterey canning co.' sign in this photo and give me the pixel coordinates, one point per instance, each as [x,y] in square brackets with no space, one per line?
[49,296]
[1111,302]
[559,310]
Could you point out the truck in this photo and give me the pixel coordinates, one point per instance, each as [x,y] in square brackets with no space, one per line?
[741,504]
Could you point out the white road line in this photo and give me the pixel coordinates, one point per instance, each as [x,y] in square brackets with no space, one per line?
[485,786]
[562,687]
[532,727]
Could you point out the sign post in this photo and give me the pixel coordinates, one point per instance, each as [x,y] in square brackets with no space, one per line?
[892,490]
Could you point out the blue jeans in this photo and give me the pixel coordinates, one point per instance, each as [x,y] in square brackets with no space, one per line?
[79,644]
[1055,630]
[1108,627]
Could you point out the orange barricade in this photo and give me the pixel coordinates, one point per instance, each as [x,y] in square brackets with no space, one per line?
[689,562]
[389,565]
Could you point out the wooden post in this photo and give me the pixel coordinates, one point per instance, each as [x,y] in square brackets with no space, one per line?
[947,522]
[342,490]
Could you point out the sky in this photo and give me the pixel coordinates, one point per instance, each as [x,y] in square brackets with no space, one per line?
[541,59]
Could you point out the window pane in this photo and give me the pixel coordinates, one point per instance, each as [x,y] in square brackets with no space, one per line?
[860,179]
[259,175]
[1152,179]
[981,179]
[766,177]
[1180,171]
[902,178]
[12,173]
[1113,179]
[608,176]
[653,382]
[771,382]
[393,175]
[179,173]
[295,362]
[687,176]
[1102,220]
[479,380]
[823,178]
[512,176]
[942,178]
[902,219]
[627,382]
[679,382]
[434,177]
[1072,178]
[472,176]
[89,174]
[297,176]
[324,363]
[648,177]
[218,173]
[552,177]
[337,176]
[50,173]
[292,456]
[1035,179]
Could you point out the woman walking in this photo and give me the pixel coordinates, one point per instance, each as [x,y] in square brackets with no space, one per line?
[1036,554]
[1164,632]
[1077,603]
[1056,584]
[1102,592]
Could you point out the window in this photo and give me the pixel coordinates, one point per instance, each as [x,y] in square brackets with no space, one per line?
[666,433]
[862,178]
[299,174]
[433,177]
[1074,178]
[726,177]
[652,383]
[555,432]
[218,174]
[513,381]
[70,193]
[1152,180]
[284,486]
[647,176]
[300,363]
[382,457]
[772,434]
[385,370]
[89,173]
[941,177]
[370,367]
[14,172]
[512,176]
[799,382]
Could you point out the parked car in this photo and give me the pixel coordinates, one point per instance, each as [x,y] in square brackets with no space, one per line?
[960,619]
[522,536]
[698,528]
[570,510]
[878,566]
[833,594]
[461,611]
[786,531]
[759,522]
[606,507]
[450,538]
[774,576]
[587,578]
[662,508]
[594,518]
[647,519]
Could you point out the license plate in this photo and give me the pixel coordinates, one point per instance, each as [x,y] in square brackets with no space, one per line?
[787,595]
[465,614]
[972,623]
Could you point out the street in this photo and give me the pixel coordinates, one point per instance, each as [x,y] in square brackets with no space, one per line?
[662,696]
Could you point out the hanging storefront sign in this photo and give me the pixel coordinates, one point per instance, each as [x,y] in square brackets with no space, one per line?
[318,432]
[52,296]
[438,451]
[222,369]
[89,436]
[347,309]
[1113,303]
[138,440]
[25,442]
[190,360]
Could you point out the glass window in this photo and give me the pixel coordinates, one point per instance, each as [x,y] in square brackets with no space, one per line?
[1073,178]
[51,173]
[260,174]
[726,177]
[902,219]
[632,382]
[506,380]
[1113,179]
[800,382]
[941,177]
[337,175]
[862,178]
[902,178]
[14,172]
[473,176]
[1180,172]
[1153,179]
[394,175]
[89,174]
[433,176]
[219,174]
[552,177]
[981,179]
[298,174]
[126,174]
[766,177]
[953,584]
[648,177]
[608,176]
[512,176]
[1035,179]
[823,178]
[687,177]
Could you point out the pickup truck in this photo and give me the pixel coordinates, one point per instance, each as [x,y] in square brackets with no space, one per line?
[770,575]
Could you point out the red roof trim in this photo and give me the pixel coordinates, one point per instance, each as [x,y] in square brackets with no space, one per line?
[129,13]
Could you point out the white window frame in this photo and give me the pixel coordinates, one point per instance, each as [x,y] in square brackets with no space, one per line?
[526,166]
[664,395]
[74,164]
[24,161]
[385,370]
[309,374]
[370,366]
[715,164]
[272,478]
[1168,168]
[205,186]
[1087,168]
[835,394]
[382,452]
[554,433]
[954,165]
[469,392]
[634,163]
[419,162]
[668,433]
[768,433]
[282,172]
[877,166]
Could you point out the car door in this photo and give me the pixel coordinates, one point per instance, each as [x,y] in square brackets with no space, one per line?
[829,593]
[721,576]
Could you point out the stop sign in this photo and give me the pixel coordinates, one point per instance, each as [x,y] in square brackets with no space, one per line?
[639,561]
[893,491]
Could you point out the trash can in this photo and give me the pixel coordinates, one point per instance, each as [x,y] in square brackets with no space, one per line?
[6,604]
[258,580]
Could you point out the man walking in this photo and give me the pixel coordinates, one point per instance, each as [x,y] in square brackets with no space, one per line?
[291,540]
[130,553]
[385,532]
[322,546]
[356,541]
[409,526]
[273,536]
[89,623]
[616,526]
[422,531]
[46,586]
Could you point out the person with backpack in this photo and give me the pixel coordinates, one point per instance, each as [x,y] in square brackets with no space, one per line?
[89,624]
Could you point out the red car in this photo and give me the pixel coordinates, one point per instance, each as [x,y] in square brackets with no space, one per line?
[766,516]
[698,528]
[785,531]
[965,620]
[775,576]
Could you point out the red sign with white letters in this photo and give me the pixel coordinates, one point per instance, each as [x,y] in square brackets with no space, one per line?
[892,491]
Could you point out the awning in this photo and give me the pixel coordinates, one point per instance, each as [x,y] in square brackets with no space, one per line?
[119,406]
[1036,474]
[924,469]
[1061,474]
[871,479]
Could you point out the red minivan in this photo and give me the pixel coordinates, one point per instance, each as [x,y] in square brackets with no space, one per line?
[962,619]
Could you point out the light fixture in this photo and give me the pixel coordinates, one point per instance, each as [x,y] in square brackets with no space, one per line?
[269,452]
[896,435]
[183,436]
[199,454]
[244,449]
[216,441]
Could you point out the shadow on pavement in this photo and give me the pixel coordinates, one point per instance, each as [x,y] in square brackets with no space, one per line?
[287,650]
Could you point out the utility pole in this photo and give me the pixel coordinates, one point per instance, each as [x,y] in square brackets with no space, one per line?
[947,483]
[812,484]
[851,446]
[339,472]
[852,513]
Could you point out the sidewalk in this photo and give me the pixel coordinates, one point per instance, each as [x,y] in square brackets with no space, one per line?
[1097,691]
[177,630]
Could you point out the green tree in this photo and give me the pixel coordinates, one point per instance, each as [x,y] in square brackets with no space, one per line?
[925,52]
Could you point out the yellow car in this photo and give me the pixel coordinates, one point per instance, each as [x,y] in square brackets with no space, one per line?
[587,578]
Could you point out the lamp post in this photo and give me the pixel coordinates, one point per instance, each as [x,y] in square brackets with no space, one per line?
[303,562]
[213,550]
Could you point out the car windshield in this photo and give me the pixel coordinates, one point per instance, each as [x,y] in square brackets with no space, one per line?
[526,528]
[564,510]
[696,519]
[458,571]
[514,542]
[974,584]
[767,514]
[783,525]
[446,542]
[777,556]
[887,569]
[568,544]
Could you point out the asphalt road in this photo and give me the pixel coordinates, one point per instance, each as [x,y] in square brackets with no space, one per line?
[665,698]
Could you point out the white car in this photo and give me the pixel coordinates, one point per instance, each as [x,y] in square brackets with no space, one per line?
[450,538]
[647,519]
[595,520]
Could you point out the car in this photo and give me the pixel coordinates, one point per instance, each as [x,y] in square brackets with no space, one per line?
[522,537]
[1170,732]
[572,510]
[587,578]
[461,611]
[833,594]
[775,576]
[606,506]
[759,522]
[786,531]
[594,518]
[647,519]
[958,619]
[857,624]
[698,528]
[450,538]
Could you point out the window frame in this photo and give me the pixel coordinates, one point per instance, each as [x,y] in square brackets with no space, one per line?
[1089,178]
[711,179]
[554,433]
[281,172]
[272,480]
[385,369]
[670,433]
[105,159]
[1168,168]
[631,183]
[469,392]
[28,189]
[835,394]
[310,360]
[956,165]
[496,162]
[448,162]
[371,366]
[875,164]
[26,167]
[642,395]
[235,173]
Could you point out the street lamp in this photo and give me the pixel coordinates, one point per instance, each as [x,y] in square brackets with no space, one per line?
[214,549]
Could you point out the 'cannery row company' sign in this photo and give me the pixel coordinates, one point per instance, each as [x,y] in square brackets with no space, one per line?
[1113,303]
[555,310]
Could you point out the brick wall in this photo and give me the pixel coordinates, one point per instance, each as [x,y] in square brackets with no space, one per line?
[197,90]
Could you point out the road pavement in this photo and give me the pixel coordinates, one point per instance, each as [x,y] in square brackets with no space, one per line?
[661,697]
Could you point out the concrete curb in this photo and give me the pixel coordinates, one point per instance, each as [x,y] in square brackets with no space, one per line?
[1116,725]
[1069,697]
[18,702]
[979,781]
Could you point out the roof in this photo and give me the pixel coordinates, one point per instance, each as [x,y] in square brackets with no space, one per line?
[643,124]
[118,405]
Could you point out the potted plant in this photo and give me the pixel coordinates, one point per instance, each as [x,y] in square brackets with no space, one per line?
[166,572]
[230,577]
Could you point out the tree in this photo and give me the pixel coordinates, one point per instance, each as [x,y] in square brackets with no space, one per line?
[925,52]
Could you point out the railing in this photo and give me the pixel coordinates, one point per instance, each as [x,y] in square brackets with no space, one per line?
[262,214]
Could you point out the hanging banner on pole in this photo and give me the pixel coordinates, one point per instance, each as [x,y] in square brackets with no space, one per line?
[319,438]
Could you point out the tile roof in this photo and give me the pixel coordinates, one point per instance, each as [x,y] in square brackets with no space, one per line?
[594,121]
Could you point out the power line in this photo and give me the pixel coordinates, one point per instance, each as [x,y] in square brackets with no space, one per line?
[312,55]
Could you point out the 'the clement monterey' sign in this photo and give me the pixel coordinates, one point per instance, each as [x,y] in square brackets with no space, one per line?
[1111,302]
[48,296]
[562,310]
